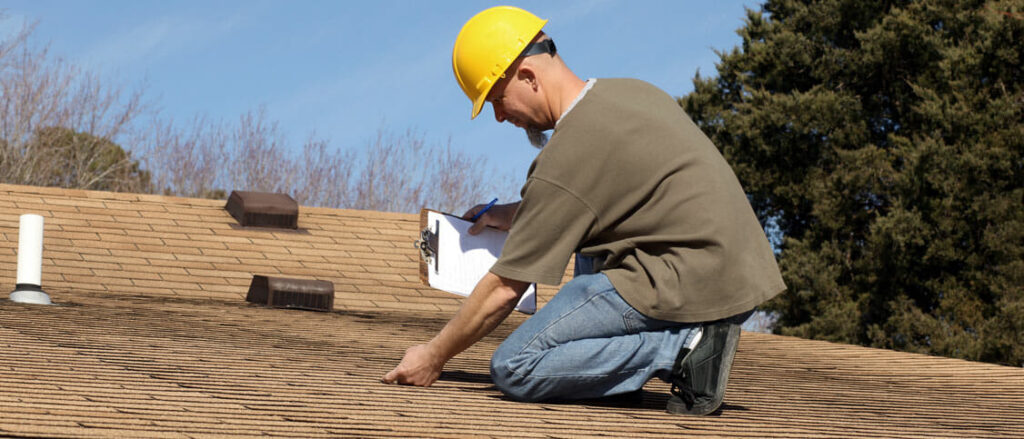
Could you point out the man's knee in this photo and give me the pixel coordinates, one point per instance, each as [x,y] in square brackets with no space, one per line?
[513,384]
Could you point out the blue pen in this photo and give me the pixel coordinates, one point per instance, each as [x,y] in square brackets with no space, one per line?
[485,209]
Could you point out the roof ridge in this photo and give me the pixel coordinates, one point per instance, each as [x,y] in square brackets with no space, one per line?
[178,200]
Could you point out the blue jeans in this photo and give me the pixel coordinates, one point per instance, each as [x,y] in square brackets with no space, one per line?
[586,343]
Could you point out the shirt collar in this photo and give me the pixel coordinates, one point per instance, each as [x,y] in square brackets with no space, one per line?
[586,88]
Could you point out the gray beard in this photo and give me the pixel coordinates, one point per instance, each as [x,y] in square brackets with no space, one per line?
[537,137]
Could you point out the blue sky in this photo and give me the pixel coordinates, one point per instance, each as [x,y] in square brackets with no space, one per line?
[345,69]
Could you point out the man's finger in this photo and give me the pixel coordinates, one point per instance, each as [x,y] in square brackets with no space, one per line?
[389,378]
[478,226]
[472,211]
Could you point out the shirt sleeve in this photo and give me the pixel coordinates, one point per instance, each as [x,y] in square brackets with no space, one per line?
[549,226]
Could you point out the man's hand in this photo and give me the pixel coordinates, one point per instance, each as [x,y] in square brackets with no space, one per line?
[420,367]
[491,301]
[500,217]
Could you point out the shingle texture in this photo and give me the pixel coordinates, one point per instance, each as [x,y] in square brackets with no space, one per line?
[152,337]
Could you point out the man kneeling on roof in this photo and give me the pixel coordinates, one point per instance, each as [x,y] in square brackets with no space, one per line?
[670,258]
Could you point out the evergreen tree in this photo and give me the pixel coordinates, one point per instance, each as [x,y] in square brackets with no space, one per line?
[63,157]
[884,141]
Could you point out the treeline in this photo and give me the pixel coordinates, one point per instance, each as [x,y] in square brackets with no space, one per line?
[885,143]
[63,126]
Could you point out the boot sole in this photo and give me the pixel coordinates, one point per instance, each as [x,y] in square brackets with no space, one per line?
[678,407]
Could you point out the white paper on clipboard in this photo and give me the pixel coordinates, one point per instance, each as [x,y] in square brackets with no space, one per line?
[460,260]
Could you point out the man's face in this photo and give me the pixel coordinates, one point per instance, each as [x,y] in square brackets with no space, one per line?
[509,98]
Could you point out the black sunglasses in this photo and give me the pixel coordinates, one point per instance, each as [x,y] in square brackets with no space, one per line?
[546,46]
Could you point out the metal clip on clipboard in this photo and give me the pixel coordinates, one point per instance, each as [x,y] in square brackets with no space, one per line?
[428,245]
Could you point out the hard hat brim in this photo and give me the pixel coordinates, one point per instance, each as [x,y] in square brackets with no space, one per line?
[478,105]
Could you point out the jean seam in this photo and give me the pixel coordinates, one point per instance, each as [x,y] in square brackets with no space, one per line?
[584,375]
[626,324]
[628,319]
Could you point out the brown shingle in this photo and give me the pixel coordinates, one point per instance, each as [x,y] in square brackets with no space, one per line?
[152,338]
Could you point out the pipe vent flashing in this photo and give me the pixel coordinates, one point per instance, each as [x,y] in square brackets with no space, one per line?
[261,209]
[279,292]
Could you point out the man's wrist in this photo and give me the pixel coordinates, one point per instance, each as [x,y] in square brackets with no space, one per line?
[437,352]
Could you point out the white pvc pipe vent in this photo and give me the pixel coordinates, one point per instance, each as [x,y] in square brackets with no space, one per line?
[30,262]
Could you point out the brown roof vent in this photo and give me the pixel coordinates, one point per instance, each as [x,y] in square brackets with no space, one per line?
[261,209]
[279,292]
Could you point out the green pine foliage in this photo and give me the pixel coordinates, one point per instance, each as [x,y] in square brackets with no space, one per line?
[73,159]
[885,141]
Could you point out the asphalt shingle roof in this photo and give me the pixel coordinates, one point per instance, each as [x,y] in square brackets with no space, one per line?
[152,337]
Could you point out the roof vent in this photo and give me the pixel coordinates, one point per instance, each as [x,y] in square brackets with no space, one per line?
[278,292]
[262,209]
[28,288]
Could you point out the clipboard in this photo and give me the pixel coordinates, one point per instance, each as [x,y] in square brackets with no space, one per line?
[454,261]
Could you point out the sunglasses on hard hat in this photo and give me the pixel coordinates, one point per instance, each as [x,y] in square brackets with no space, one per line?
[545,46]
[540,47]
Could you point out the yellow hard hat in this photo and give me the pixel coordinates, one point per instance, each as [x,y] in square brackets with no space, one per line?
[487,45]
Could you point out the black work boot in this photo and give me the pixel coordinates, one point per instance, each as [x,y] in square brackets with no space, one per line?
[700,374]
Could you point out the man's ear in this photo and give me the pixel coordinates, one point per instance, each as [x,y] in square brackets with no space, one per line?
[527,74]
